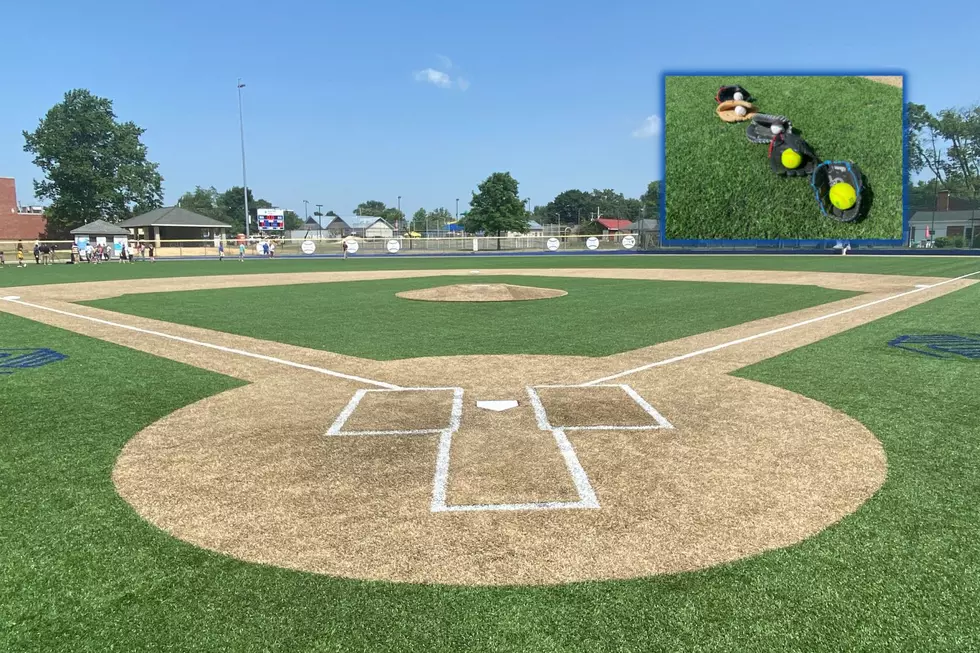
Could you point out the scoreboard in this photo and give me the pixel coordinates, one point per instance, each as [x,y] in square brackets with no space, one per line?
[271,219]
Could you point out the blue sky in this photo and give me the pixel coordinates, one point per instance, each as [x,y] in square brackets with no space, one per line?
[349,101]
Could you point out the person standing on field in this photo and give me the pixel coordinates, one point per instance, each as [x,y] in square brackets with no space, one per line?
[37,253]
[241,252]
[20,255]
[221,250]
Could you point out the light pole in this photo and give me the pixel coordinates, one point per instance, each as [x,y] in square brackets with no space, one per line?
[241,128]
[306,210]
[399,212]
[319,221]
[457,210]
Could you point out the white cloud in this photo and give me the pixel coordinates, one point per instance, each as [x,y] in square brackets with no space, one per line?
[434,77]
[649,128]
[446,76]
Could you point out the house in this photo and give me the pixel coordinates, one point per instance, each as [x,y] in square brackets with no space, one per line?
[646,225]
[172,223]
[19,222]
[613,225]
[359,226]
[100,232]
[952,217]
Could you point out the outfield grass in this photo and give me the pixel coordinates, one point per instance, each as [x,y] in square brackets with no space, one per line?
[719,185]
[951,266]
[82,572]
[598,317]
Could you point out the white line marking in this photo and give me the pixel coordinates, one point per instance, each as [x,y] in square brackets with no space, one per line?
[11,298]
[441,477]
[227,350]
[772,332]
[660,421]
[336,428]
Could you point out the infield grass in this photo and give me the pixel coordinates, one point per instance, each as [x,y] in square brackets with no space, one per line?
[718,185]
[939,266]
[81,572]
[598,317]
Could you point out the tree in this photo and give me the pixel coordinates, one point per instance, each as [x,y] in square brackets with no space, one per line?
[373,208]
[95,167]
[203,201]
[438,219]
[569,207]
[497,207]
[418,220]
[291,221]
[651,200]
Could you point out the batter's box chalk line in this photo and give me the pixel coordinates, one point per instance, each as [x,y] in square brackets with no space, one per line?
[586,494]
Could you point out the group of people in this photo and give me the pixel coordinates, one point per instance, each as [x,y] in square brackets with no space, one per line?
[44,254]
[100,252]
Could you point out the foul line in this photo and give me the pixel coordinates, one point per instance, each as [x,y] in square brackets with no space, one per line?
[772,332]
[227,350]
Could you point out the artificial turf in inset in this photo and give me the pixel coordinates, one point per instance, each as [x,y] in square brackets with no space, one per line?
[718,185]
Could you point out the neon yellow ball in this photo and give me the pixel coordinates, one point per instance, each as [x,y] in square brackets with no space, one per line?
[842,195]
[791,159]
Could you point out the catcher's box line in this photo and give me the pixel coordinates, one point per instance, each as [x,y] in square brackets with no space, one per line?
[545,425]
[189,341]
[739,341]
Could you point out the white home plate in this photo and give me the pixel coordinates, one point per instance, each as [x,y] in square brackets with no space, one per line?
[499,405]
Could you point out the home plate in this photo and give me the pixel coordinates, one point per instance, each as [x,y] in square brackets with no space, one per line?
[498,405]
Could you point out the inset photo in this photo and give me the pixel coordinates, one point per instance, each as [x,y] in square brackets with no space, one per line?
[783,157]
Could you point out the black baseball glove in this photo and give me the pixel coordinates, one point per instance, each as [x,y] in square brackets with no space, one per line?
[845,204]
[727,93]
[765,126]
[791,156]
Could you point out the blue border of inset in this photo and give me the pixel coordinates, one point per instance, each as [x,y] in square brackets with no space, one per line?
[820,243]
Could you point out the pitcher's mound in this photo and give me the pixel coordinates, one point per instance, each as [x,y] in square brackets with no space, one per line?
[481,292]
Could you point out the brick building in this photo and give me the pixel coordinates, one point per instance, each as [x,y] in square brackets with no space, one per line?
[18,222]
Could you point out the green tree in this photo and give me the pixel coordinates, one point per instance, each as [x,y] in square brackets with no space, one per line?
[438,219]
[292,221]
[418,220]
[497,207]
[203,201]
[651,200]
[373,208]
[569,207]
[95,167]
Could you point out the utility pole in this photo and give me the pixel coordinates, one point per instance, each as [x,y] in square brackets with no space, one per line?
[319,220]
[399,212]
[241,128]
[306,210]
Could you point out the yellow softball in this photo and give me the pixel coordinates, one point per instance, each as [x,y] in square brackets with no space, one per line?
[842,195]
[791,159]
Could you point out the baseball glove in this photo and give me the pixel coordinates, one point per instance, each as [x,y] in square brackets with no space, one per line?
[726,110]
[828,174]
[791,156]
[765,126]
[727,93]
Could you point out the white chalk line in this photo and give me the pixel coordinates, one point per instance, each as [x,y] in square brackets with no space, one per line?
[337,427]
[772,332]
[660,422]
[198,343]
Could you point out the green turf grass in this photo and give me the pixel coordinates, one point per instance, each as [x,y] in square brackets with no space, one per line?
[598,317]
[719,185]
[80,572]
[939,266]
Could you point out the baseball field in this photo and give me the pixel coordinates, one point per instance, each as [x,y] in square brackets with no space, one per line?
[718,184]
[554,453]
